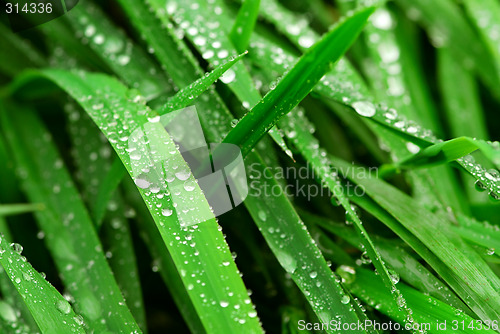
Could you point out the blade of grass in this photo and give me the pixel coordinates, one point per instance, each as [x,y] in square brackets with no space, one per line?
[186,95]
[21,55]
[486,15]
[206,250]
[447,27]
[212,42]
[428,311]
[297,83]
[161,257]
[70,234]
[15,209]
[298,130]
[478,285]
[92,161]
[326,306]
[51,311]
[441,153]
[126,59]
[244,24]
[409,269]
[288,251]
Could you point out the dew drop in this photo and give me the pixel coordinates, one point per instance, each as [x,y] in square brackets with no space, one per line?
[63,306]
[345,299]
[167,212]
[228,76]
[16,248]
[364,108]
[142,183]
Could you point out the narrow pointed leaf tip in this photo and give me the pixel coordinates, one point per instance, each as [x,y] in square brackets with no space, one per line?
[187,95]
[299,82]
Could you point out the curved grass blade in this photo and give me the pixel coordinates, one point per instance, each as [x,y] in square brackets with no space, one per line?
[196,245]
[298,130]
[126,59]
[70,234]
[442,153]
[52,313]
[289,252]
[297,83]
[162,259]
[186,95]
[428,311]
[21,55]
[409,269]
[244,24]
[212,42]
[92,161]
[448,27]
[15,209]
[477,284]
[486,15]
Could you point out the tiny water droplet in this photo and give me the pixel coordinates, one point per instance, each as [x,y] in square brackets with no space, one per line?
[364,108]
[63,306]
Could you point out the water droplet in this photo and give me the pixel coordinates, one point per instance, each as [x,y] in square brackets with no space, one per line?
[262,215]
[123,60]
[394,276]
[167,212]
[480,186]
[313,274]
[382,19]
[364,108]
[306,41]
[224,303]
[228,76]
[154,119]
[183,175]
[142,183]
[347,273]
[345,299]
[63,306]
[16,248]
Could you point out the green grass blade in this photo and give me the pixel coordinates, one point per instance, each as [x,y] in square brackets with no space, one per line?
[106,189]
[209,251]
[462,102]
[92,161]
[295,249]
[213,44]
[298,130]
[427,311]
[124,57]
[408,267]
[51,311]
[21,55]
[15,209]
[440,153]
[325,305]
[70,234]
[161,257]
[297,83]
[486,15]
[475,277]
[448,27]
[186,95]
[244,24]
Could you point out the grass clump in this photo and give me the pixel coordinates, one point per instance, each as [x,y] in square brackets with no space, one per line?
[368,136]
